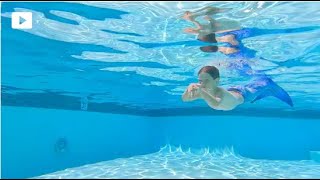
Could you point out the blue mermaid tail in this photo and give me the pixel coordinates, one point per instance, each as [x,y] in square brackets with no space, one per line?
[260,88]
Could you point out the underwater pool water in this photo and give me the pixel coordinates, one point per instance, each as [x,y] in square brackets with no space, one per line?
[94,90]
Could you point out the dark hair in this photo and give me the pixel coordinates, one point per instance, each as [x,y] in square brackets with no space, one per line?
[210,38]
[211,70]
[209,48]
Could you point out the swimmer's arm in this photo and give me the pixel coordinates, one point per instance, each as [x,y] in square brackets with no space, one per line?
[212,22]
[195,30]
[199,10]
[199,26]
[211,100]
[206,11]
[203,11]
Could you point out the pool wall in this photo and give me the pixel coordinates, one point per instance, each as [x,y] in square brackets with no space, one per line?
[39,141]
[253,137]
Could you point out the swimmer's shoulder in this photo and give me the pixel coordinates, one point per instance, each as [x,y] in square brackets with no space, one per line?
[236,95]
[231,98]
[222,92]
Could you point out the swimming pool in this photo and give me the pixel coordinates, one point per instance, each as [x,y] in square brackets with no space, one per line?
[94,90]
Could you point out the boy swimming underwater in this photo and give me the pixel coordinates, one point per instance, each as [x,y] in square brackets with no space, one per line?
[227,99]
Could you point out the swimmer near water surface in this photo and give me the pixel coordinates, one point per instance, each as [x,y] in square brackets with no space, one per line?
[227,99]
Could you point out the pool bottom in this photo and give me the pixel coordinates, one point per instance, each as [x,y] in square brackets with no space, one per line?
[173,162]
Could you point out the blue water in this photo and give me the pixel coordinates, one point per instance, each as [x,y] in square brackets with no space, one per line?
[131,61]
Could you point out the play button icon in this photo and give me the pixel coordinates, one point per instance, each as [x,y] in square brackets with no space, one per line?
[21,20]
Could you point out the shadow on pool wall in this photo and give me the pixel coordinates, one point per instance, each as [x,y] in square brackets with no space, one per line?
[40,141]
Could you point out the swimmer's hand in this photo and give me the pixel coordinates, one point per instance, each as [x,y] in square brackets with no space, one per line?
[193,89]
[191,93]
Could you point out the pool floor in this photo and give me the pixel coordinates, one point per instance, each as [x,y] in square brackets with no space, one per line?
[175,162]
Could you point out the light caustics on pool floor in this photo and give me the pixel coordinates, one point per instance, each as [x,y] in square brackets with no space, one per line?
[173,162]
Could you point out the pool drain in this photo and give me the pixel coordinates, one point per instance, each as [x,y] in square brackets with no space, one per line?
[61,145]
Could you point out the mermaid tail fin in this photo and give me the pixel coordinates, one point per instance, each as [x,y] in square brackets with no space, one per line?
[270,88]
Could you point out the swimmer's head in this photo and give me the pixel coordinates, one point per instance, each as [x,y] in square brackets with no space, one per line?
[209,77]
[209,48]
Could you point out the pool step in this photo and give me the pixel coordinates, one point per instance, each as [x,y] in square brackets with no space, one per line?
[315,155]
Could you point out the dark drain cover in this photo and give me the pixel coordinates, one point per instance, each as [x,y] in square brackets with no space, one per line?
[61,145]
